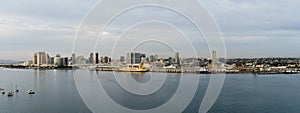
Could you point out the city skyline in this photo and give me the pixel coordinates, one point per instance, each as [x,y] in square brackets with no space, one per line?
[251,28]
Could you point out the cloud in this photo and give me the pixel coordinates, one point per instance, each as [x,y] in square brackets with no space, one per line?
[258,28]
[254,15]
[249,26]
[16,23]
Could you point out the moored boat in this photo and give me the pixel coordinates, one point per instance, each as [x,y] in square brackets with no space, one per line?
[30,91]
[10,94]
[203,71]
[17,90]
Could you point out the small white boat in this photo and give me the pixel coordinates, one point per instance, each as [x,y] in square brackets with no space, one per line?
[203,71]
[30,91]
[2,91]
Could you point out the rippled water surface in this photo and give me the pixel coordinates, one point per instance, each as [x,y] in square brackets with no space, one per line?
[56,92]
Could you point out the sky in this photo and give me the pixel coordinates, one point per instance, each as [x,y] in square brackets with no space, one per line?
[250,28]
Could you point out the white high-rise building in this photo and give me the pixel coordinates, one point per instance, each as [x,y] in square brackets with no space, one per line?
[40,58]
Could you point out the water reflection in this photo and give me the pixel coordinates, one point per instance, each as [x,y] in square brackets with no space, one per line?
[140,77]
[139,102]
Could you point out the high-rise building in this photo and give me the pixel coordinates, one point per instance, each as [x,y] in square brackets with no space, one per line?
[214,59]
[73,59]
[65,61]
[58,60]
[134,57]
[106,59]
[177,59]
[96,60]
[122,59]
[91,58]
[81,60]
[34,59]
[170,60]
[129,58]
[51,60]
[40,58]
[109,60]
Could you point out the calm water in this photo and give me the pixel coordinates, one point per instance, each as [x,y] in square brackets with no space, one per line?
[56,92]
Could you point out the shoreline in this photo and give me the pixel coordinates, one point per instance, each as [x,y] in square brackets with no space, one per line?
[155,71]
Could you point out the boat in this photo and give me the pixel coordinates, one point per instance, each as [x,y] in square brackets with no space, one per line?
[10,93]
[17,90]
[30,91]
[203,71]
[134,68]
[290,72]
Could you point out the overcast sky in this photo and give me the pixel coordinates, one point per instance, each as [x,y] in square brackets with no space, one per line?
[251,28]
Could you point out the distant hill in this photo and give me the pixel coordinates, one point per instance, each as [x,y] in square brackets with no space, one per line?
[8,61]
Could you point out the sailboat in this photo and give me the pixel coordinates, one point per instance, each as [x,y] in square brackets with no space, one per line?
[2,91]
[17,90]
[10,93]
[30,91]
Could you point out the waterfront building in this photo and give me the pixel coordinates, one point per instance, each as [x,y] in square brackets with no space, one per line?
[170,60]
[102,60]
[96,59]
[51,60]
[91,58]
[214,59]
[73,59]
[135,57]
[65,61]
[122,59]
[40,58]
[106,59]
[177,59]
[153,58]
[80,60]
[34,59]
[58,61]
